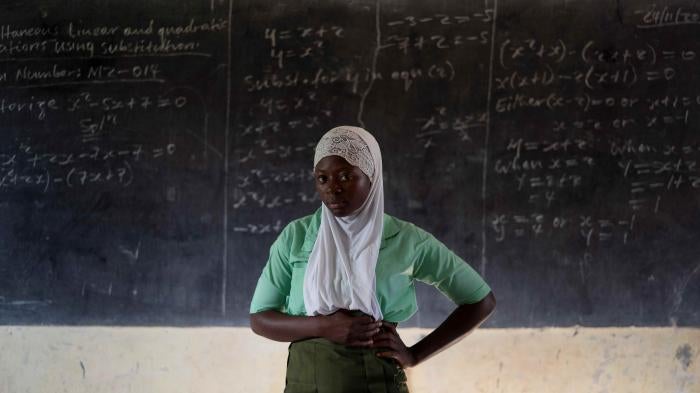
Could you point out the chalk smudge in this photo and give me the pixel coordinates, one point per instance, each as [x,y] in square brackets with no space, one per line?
[684,354]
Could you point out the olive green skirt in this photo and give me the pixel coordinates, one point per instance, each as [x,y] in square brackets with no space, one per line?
[321,366]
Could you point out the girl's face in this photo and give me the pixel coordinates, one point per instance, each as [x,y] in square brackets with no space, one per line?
[341,186]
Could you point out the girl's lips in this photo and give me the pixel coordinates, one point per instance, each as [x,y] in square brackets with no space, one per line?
[336,205]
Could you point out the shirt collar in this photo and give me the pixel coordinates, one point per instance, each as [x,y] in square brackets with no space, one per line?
[389,230]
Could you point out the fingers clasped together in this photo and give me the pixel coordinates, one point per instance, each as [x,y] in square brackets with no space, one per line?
[343,327]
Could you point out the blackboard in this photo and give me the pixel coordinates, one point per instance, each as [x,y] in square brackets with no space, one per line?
[150,152]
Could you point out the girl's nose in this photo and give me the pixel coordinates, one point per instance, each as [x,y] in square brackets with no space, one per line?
[334,188]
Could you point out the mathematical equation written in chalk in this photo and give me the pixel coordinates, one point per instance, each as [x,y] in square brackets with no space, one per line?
[49,171]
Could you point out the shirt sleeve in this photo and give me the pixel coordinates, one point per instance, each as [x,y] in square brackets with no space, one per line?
[273,285]
[437,265]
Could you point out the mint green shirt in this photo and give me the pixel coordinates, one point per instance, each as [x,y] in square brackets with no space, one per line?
[407,253]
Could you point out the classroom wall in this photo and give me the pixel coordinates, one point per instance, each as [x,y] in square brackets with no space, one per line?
[213,360]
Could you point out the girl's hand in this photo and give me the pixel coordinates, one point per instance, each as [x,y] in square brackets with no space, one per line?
[342,327]
[393,347]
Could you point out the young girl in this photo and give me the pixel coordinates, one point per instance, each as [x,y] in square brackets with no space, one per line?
[337,282]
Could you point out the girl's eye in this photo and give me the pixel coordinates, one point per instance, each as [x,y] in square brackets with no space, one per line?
[321,179]
[344,177]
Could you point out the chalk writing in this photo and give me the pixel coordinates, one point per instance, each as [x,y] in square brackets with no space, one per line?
[655,16]
[76,39]
[106,108]
[259,229]
[618,113]
[24,165]
[585,227]
[257,199]
[436,41]
[442,19]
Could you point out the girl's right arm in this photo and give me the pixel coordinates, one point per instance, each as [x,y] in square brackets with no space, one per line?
[340,327]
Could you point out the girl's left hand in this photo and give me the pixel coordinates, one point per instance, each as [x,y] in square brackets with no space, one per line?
[393,347]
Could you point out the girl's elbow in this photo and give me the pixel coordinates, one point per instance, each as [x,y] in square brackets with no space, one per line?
[489,304]
[255,323]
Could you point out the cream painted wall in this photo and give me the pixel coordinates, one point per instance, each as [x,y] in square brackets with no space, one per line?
[214,360]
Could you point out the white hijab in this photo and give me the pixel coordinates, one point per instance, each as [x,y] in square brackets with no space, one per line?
[341,269]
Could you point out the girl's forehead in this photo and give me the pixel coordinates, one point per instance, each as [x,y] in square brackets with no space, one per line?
[333,163]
